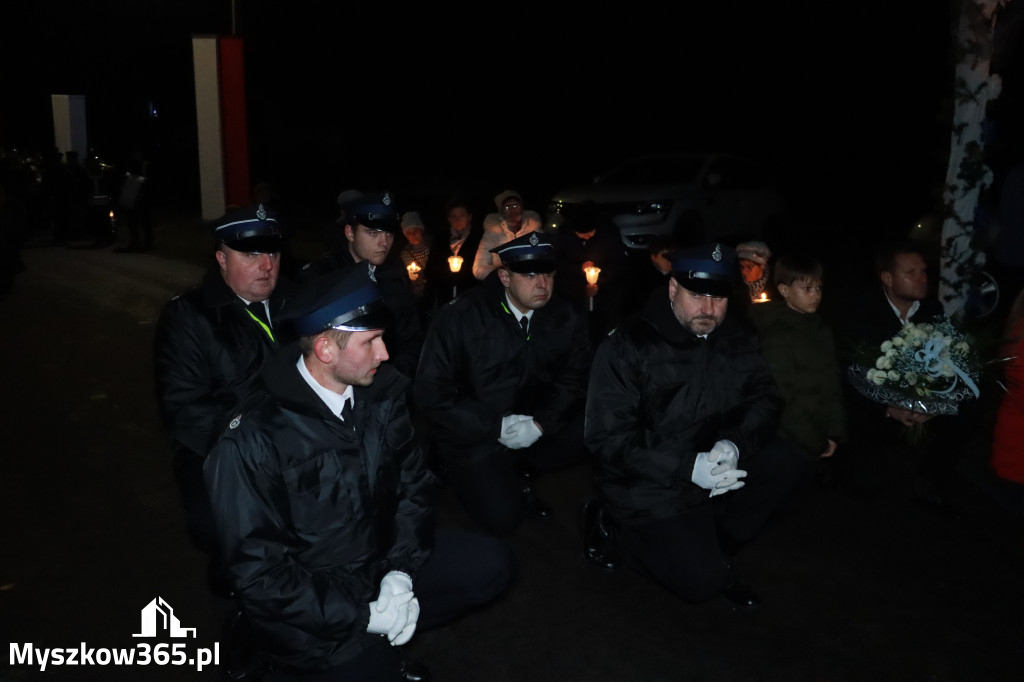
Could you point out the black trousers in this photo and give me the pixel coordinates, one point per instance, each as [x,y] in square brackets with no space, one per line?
[488,479]
[465,571]
[689,554]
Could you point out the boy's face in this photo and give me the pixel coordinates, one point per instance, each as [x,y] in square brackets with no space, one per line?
[803,295]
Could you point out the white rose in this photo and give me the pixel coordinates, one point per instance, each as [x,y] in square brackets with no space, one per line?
[910,378]
[898,341]
[883,363]
[893,375]
[962,347]
[886,346]
[879,378]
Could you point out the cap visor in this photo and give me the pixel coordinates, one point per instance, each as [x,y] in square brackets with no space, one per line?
[392,224]
[532,267]
[378,317]
[705,287]
[264,244]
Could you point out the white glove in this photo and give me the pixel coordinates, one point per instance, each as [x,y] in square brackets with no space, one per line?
[396,609]
[410,625]
[725,452]
[702,467]
[727,456]
[718,478]
[518,431]
[729,481]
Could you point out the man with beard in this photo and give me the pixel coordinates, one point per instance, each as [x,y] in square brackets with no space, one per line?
[210,345]
[371,222]
[329,536]
[680,412]
[502,380]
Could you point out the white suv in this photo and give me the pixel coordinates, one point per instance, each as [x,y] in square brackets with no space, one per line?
[693,197]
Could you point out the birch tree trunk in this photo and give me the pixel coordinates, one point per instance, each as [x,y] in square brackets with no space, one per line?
[967,175]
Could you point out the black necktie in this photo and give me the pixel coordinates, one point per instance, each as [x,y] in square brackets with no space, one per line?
[524,322]
[346,413]
[260,311]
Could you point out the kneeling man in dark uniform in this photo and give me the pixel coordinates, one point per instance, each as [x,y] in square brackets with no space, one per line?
[325,502]
[502,379]
[680,410]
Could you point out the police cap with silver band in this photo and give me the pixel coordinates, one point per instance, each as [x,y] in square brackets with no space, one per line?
[346,300]
[252,229]
[708,270]
[375,211]
[529,254]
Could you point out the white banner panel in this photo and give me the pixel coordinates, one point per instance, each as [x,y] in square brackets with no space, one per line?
[208,121]
[69,131]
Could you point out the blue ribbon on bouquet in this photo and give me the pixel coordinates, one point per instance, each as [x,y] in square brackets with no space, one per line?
[933,364]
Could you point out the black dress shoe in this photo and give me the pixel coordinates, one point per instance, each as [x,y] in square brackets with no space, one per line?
[599,548]
[740,597]
[412,670]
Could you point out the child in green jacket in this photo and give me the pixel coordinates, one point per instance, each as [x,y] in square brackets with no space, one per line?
[798,346]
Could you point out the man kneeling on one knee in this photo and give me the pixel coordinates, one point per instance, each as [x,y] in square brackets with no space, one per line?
[681,410]
[325,520]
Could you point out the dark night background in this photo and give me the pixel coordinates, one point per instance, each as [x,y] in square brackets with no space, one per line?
[851,103]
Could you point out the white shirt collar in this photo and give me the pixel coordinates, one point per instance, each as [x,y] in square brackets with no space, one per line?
[910,313]
[516,311]
[335,401]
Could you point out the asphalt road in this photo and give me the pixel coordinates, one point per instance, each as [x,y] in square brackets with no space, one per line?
[91,532]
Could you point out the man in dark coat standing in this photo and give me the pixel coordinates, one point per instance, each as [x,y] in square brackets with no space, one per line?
[329,535]
[371,222]
[680,412]
[210,345]
[502,380]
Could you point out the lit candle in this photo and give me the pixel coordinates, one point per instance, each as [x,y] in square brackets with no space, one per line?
[591,272]
[763,298]
[455,263]
[414,270]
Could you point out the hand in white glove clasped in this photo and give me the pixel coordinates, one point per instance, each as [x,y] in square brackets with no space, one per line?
[717,477]
[725,452]
[396,610]
[521,433]
[727,456]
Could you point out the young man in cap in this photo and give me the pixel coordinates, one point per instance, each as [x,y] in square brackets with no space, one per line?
[329,536]
[502,380]
[209,347]
[371,222]
[679,412]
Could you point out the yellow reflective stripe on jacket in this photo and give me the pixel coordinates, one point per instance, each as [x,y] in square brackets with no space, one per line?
[261,323]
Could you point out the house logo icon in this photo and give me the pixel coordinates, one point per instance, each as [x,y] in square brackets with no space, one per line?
[158,617]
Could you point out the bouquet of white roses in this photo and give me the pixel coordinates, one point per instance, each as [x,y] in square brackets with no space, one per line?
[928,368]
